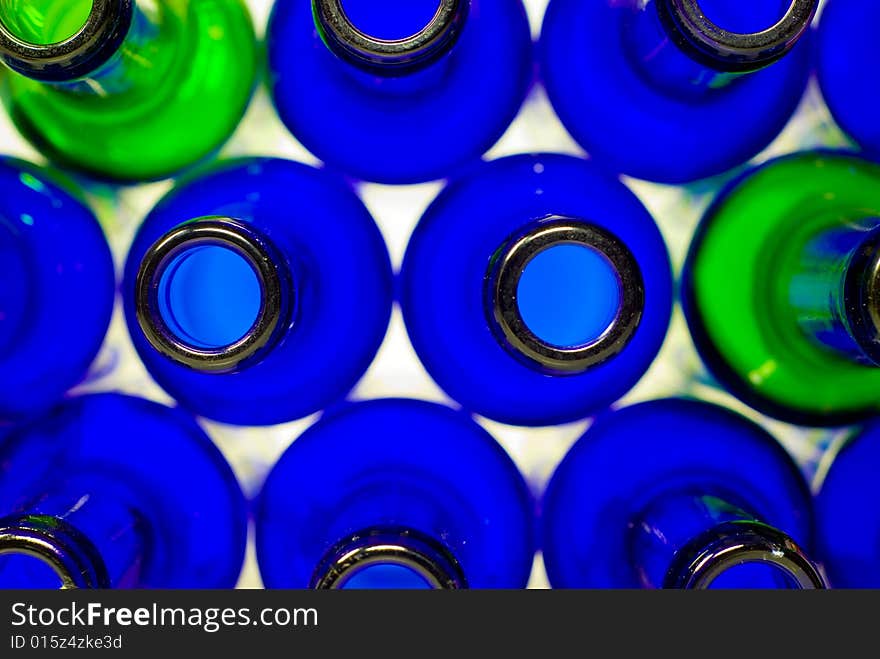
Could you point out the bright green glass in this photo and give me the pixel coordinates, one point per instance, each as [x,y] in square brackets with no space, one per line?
[44,22]
[168,98]
[744,282]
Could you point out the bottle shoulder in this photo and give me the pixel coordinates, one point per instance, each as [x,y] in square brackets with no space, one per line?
[843,47]
[847,530]
[459,235]
[192,74]
[111,443]
[55,255]
[336,283]
[399,130]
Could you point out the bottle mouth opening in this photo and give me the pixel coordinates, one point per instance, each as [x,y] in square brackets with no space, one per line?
[40,547]
[564,295]
[45,22]
[209,294]
[16,299]
[61,40]
[737,555]
[389,558]
[721,47]
[389,57]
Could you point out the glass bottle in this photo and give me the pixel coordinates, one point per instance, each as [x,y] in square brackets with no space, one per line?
[677,493]
[114,491]
[127,90]
[779,287]
[398,91]
[652,88]
[846,47]
[394,493]
[57,286]
[847,516]
[536,289]
[258,291]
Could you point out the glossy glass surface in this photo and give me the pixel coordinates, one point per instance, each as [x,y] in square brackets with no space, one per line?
[210,296]
[53,256]
[442,286]
[639,105]
[737,286]
[143,483]
[386,577]
[396,462]
[568,295]
[173,93]
[44,21]
[846,47]
[847,512]
[672,465]
[402,129]
[341,274]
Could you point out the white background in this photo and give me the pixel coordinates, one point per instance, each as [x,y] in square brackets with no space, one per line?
[396,371]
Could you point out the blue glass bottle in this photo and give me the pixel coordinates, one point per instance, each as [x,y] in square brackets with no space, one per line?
[847,514]
[114,491]
[399,91]
[653,88]
[846,48]
[57,287]
[127,90]
[536,289]
[258,291]
[677,493]
[395,493]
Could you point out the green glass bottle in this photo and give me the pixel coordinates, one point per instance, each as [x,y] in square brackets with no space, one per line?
[127,90]
[781,288]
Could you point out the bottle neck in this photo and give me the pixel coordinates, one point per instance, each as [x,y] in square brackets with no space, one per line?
[682,540]
[563,295]
[214,294]
[679,50]
[415,49]
[89,535]
[835,291]
[388,558]
[105,47]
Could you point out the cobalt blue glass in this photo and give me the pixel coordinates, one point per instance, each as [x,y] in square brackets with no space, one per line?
[677,493]
[654,88]
[536,289]
[259,291]
[398,91]
[113,491]
[395,494]
[847,511]
[846,49]
[57,286]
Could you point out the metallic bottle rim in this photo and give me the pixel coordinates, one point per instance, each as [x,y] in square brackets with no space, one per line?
[390,57]
[861,296]
[276,292]
[403,547]
[733,52]
[92,46]
[502,281]
[59,545]
[732,544]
